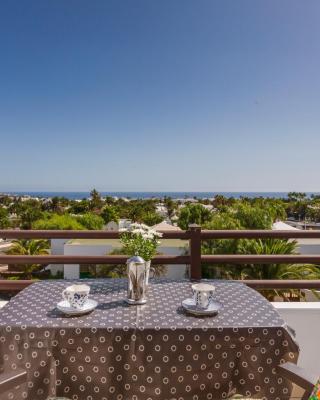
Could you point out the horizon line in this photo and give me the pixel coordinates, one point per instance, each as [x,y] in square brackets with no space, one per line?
[158,191]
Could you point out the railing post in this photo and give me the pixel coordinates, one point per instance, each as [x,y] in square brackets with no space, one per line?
[195,251]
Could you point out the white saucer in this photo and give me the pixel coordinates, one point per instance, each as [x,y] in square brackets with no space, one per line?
[64,307]
[190,306]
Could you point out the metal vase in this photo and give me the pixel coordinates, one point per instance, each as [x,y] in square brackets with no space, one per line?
[137,280]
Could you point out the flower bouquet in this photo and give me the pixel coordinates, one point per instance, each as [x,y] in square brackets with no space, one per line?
[140,240]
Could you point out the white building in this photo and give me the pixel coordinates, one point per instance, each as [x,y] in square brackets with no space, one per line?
[101,247]
[112,226]
[165,226]
[124,223]
[305,246]
[116,226]
[161,209]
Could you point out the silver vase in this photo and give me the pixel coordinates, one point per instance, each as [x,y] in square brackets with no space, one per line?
[138,275]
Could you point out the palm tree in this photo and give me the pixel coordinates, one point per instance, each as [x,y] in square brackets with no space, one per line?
[273,271]
[223,220]
[28,247]
[258,271]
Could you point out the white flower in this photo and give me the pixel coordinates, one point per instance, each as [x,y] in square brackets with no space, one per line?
[158,234]
[143,230]
[148,235]
[135,225]
[144,226]
[138,231]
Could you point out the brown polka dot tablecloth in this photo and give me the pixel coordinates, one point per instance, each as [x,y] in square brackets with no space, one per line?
[149,352]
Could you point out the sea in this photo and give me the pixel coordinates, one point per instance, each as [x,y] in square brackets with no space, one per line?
[157,195]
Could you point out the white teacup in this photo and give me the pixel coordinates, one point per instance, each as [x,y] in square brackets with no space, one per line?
[203,294]
[76,295]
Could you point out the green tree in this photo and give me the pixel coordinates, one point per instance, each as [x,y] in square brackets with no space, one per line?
[313,211]
[170,205]
[297,196]
[221,202]
[220,221]
[136,211]
[91,221]
[79,207]
[96,201]
[193,214]
[251,217]
[60,222]
[30,248]
[110,213]
[276,209]
[27,211]
[15,206]
[110,200]
[152,218]
[298,209]
[4,218]
[28,216]
[5,200]
[273,271]
[261,271]
[56,204]
[241,216]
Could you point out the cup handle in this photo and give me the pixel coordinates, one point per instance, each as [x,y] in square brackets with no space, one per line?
[209,297]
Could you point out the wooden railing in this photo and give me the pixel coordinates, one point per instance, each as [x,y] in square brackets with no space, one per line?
[195,259]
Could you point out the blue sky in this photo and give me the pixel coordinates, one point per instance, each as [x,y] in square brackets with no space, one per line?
[149,95]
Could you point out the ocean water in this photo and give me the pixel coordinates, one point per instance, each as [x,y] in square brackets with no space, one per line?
[149,195]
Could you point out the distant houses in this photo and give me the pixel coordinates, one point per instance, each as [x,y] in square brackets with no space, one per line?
[118,226]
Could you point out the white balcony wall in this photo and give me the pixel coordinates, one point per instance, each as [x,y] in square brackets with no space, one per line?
[174,271]
[304,318]
[309,246]
[57,249]
[72,271]
[101,247]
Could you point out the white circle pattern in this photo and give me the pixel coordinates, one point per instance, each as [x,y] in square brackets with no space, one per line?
[154,351]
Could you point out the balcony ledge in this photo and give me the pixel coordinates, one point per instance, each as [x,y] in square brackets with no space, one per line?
[294,306]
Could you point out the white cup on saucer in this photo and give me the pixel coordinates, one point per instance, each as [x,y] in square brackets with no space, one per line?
[76,295]
[203,294]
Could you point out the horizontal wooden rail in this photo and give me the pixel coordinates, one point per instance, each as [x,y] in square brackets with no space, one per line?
[205,234]
[195,235]
[164,259]
[260,259]
[58,234]
[48,259]
[259,234]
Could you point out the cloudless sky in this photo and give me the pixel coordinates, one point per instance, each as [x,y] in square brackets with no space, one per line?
[142,95]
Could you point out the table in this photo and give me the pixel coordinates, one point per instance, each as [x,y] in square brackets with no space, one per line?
[148,352]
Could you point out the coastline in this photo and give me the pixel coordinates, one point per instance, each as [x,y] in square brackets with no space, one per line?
[151,195]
